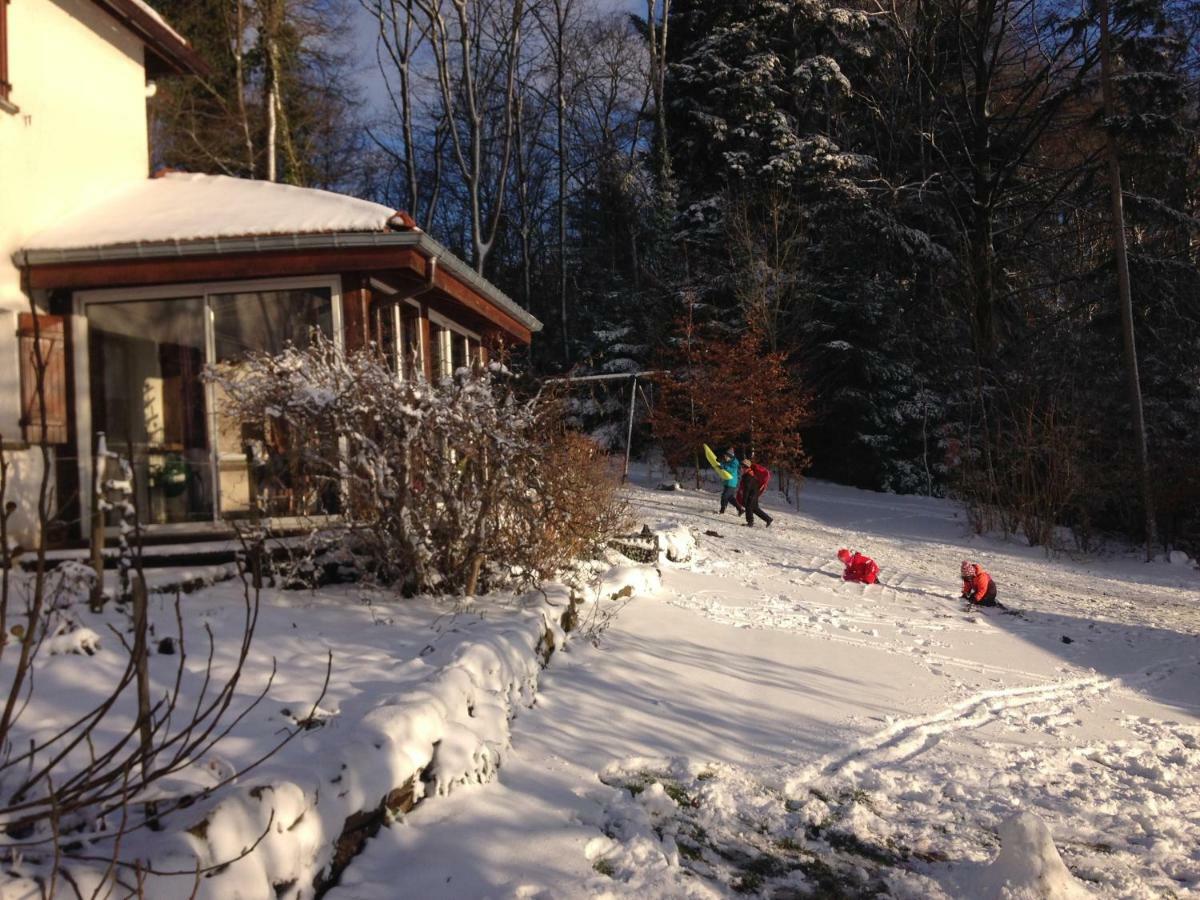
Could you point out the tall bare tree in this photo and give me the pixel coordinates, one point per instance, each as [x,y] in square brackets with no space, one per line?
[554,27]
[279,101]
[658,17]
[475,45]
[1124,288]
[401,38]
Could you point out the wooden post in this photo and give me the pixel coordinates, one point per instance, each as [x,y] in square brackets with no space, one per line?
[629,430]
[426,338]
[355,316]
[96,531]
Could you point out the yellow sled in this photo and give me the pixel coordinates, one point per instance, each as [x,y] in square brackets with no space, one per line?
[716,464]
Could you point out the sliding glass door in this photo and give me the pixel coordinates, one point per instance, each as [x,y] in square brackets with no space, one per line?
[146,358]
[256,471]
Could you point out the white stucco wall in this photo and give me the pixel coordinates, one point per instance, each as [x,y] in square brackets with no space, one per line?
[78,80]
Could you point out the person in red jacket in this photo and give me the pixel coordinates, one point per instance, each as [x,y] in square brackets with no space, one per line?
[755,479]
[859,568]
[978,586]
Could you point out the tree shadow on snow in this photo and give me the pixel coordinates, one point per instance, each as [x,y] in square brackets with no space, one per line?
[1157,662]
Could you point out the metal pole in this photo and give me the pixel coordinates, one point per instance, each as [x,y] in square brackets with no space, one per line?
[629,430]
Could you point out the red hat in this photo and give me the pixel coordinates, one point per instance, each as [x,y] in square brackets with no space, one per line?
[844,555]
[967,568]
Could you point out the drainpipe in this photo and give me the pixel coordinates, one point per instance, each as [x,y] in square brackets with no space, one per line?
[431,269]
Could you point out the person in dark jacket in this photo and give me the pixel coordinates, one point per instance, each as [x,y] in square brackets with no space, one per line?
[729,491]
[755,479]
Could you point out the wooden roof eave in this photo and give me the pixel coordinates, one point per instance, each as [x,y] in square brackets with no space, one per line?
[274,257]
[168,52]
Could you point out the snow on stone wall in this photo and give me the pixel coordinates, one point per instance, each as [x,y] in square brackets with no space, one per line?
[451,729]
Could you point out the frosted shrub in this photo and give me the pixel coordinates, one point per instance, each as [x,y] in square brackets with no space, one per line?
[441,487]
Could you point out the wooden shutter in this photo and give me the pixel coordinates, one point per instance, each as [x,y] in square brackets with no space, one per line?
[50,331]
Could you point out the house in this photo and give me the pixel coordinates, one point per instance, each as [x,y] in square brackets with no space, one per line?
[131,285]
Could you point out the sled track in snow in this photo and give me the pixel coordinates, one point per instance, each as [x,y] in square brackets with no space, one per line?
[835,625]
[906,738]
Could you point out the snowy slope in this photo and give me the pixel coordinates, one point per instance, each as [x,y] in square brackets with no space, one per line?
[760,727]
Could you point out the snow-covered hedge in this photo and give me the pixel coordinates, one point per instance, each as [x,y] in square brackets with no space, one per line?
[436,483]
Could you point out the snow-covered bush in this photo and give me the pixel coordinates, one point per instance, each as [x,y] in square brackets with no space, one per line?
[442,486]
[108,753]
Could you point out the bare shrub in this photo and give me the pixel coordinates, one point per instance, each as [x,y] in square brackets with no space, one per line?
[1035,474]
[74,797]
[447,487]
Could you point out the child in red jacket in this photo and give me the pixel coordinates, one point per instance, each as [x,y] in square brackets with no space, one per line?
[859,568]
[978,586]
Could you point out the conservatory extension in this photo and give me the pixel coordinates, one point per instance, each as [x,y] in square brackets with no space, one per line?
[185,271]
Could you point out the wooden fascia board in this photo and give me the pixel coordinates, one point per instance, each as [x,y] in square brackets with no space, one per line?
[448,285]
[162,42]
[277,264]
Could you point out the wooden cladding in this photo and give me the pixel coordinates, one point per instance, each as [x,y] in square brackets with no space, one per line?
[43,353]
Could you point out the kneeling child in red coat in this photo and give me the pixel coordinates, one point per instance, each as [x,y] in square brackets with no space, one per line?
[859,568]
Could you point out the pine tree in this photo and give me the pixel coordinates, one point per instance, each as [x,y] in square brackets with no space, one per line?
[778,204]
[1154,124]
[279,102]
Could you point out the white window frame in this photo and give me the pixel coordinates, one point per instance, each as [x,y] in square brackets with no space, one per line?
[392,295]
[398,323]
[203,289]
[452,327]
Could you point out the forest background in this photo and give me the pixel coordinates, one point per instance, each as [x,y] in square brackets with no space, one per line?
[962,235]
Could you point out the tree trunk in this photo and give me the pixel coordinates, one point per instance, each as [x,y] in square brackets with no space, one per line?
[561,10]
[272,129]
[240,81]
[1124,288]
[657,38]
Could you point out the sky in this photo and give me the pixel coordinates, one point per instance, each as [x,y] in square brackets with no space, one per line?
[365,31]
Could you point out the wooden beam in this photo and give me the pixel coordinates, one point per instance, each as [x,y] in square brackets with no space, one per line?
[426,342]
[230,266]
[449,293]
[356,301]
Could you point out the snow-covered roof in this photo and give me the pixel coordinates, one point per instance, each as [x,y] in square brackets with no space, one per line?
[179,214]
[180,207]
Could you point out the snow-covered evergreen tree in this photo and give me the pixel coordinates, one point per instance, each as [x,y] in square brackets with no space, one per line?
[779,204]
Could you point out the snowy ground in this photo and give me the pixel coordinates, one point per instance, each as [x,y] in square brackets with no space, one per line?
[416,687]
[760,727]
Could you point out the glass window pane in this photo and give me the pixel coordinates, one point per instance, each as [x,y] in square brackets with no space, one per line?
[255,468]
[411,336]
[268,320]
[459,354]
[146,358]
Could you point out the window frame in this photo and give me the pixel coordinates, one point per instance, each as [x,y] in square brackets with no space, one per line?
[454,330]
[81,364]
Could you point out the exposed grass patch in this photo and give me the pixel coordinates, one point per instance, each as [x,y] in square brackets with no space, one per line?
[756,853]
[748,883]
[676,792]
[850,843]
